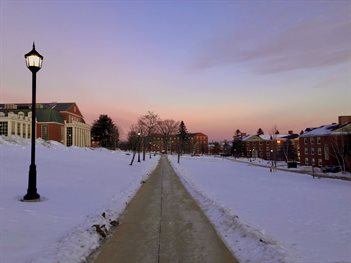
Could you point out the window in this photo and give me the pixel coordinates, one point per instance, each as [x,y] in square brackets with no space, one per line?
[312,151]
[319,151]
[261,143]
[313,162]
[306,150]
[3,128]
[312,140]
[318,140]
[326,152]
[69,136]
[24,130]
[29,127]
[305,140]
[320,162]
[306,161]
[44,132]
[13,128]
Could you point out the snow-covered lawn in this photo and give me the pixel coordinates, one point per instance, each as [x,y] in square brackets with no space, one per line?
[262,216]
[272,217]
[76,185]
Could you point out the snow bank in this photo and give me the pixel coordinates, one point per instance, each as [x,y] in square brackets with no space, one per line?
[271,217]
[76,186]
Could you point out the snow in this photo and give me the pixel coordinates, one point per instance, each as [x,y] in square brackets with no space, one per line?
[76,186]
[262,216]
[297,218]
[320,131]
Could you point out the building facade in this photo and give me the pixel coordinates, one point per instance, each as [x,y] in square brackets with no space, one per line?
[196,143]
[62,122]
[277,147]
[327,145]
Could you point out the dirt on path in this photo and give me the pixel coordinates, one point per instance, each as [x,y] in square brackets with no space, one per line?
[163,224]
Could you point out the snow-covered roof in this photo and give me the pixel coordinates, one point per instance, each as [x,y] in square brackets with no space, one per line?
[323,130]
[265,137]
[343,130]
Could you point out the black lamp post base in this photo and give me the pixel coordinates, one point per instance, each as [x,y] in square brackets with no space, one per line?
[31,197]
[32,194]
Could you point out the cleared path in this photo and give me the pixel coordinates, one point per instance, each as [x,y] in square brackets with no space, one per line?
[164,224]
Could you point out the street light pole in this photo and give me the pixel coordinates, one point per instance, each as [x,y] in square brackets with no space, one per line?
[139,146]
[34,62]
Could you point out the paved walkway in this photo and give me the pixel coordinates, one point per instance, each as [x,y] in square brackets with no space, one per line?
[164,224]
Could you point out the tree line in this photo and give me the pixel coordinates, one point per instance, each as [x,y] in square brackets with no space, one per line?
[105,132]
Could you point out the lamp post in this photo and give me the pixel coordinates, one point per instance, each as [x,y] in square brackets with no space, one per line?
[139,147]
[34,62]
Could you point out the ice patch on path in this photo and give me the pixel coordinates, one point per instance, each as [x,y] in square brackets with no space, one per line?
[246,243]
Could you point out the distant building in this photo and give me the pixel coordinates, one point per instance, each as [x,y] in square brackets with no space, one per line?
[327,145]
[196,143]
[62,122]
[277,147]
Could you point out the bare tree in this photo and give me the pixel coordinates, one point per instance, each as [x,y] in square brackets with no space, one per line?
[167,128]
[341,148]
[289,151]
[133,141]
[148,124]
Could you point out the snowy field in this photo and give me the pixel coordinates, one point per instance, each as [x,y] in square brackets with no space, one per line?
[272,217]
[76,185]
[262,216]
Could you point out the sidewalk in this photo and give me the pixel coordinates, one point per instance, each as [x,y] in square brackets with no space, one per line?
[164,224]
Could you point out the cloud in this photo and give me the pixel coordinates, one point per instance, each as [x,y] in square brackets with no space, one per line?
[309,43]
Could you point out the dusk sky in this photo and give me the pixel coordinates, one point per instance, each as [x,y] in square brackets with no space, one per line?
[217,65]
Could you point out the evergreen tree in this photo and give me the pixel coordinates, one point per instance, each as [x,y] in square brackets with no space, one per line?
[260,131]
[105,132]
[289,151]
[237,133]
[183,134]
[238,148]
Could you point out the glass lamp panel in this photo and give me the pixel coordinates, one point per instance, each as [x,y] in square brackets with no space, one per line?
[33,61]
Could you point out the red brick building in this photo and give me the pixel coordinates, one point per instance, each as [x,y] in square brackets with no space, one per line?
[62,122]
[327,145]
[197,143]
[270,147]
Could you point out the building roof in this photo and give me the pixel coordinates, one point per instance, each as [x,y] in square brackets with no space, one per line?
[265,137]
[49,115]
[43,115]
[64,106]
[325,130]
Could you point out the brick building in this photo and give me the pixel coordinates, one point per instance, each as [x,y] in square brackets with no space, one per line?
[270,147]
[62,122]
[197,143]
[327,145]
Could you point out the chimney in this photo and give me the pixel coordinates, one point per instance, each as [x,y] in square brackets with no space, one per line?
[344,119]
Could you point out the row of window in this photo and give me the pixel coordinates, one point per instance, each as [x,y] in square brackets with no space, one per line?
[15,129]
[260,149]
[260,143]
[313,162]
[311,140]
[319,151]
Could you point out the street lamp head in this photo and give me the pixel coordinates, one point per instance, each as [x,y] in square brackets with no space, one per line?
[33,60]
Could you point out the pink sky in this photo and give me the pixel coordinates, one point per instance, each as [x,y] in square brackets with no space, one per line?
[218,66]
